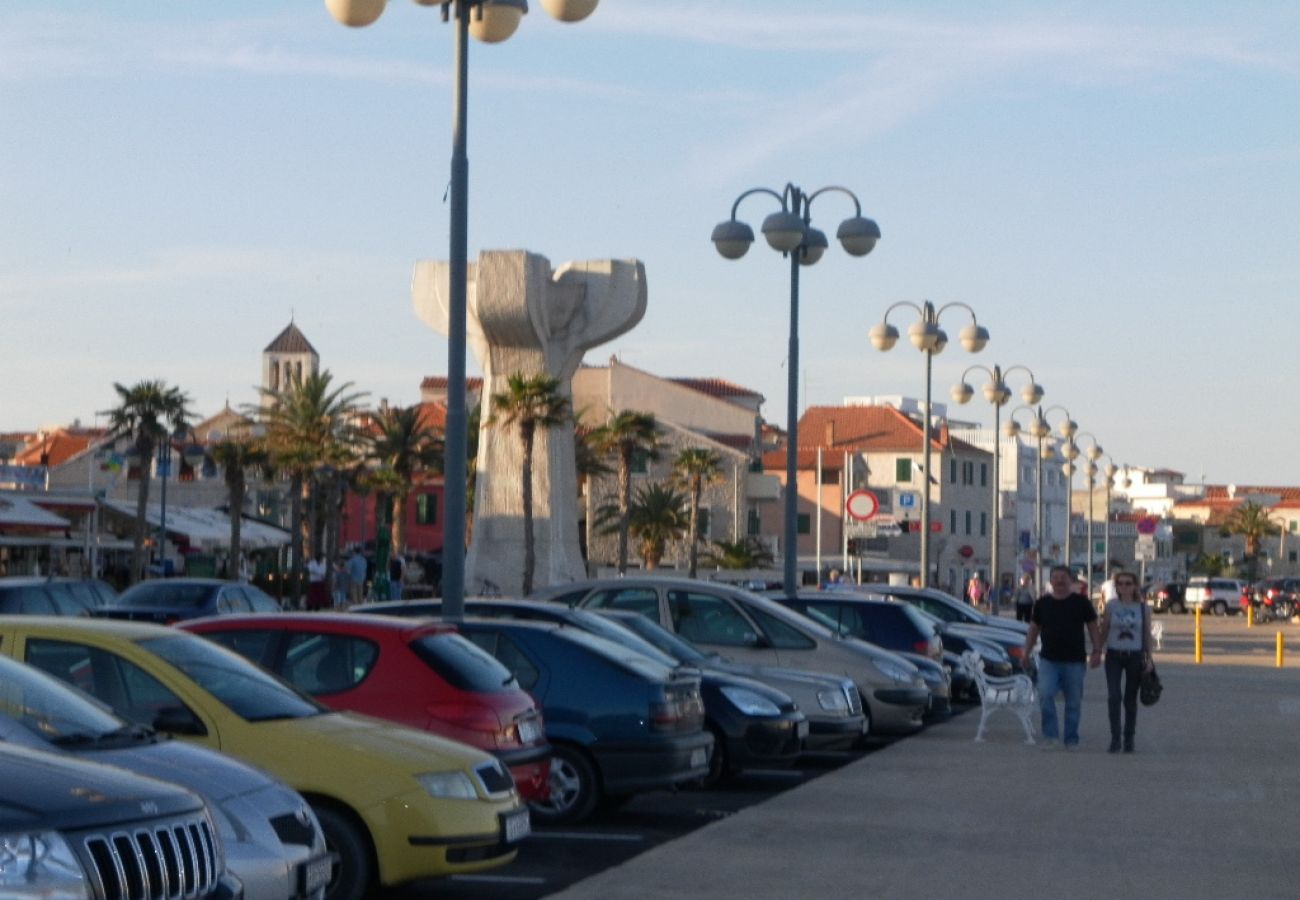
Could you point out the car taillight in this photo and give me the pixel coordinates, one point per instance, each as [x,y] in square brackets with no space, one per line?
[1016,652]
[677,712]
[922,647]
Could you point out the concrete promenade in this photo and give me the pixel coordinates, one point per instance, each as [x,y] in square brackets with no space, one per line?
[1208,806]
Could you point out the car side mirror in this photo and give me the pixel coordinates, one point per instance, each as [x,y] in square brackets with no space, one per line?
[178,720]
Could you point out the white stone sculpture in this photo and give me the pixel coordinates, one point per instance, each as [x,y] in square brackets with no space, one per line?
[1015,693]
[525,318]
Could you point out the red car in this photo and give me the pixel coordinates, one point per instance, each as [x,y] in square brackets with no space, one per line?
[419,673]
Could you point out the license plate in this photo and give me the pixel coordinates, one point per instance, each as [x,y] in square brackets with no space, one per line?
[802,729]
[314,874]
[699,758]
[516,825]
[528,731]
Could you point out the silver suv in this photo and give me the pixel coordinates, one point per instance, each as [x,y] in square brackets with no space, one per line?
[1214,595]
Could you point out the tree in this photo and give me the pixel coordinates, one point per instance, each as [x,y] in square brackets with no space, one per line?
[309,426]
[238,456]
[529,403]
[748,553]
[624,436]
[1253,522]
[147,414]
[656,517]
[693,468]
[404,444]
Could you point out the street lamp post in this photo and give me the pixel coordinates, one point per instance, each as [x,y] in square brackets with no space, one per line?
[490,21]
[790,232]
[1040,431]
[997,393]
[1110,472]
[1093,453]
[1067,429]
[926,336]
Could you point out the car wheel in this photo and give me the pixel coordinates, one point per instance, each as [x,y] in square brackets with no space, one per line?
[1220,608]
[1284,610]
[1178,606]
[354,867]
[575,788]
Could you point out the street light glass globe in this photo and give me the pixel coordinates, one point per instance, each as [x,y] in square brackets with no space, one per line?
[494,21]
[940,341]
[858,235]
[1011,429]
[732,238]
[961,393]
[973,337]
[1070,450]
[569,10]
[814,245]
[883,336]
[921,334]
[1095,451]
[1067,468]
[355,13]
[1040,429]
[996,393]
[1032,393]
[1068,427]
[1048,452]
[784,231]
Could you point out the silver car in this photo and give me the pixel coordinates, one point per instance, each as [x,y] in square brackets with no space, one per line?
[754,630]
[272,841]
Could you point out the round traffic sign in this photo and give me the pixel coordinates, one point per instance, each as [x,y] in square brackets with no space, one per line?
[1147,525]
[861,506]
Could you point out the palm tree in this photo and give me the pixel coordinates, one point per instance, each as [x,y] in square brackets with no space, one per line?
[693,468]
[624,436]
[656,518]
[146,414]
[529,403]
[238,456]
[1253,522]
[747,553]
[404,444]
[308,427]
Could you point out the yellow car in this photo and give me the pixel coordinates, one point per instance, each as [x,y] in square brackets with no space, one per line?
[395,804]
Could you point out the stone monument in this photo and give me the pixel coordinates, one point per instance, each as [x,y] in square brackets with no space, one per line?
[525,318]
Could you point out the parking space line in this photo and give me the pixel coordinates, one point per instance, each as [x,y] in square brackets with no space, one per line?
[500,879]
[585,836]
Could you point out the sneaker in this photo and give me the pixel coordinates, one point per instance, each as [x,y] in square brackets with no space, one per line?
[1074,746]
[1114,746]
[1128,745]
[1048,743]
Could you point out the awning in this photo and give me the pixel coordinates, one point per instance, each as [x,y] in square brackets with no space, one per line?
[18,512]
[205,528]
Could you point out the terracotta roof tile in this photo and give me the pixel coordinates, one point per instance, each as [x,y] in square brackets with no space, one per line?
[716,387]
[291,340]
[439,382]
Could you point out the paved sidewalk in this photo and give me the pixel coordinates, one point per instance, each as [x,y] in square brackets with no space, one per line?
[1206,808]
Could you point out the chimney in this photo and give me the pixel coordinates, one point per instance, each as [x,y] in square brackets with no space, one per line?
[830,434]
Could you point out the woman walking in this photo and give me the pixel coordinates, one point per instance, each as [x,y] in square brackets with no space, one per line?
[1126,636]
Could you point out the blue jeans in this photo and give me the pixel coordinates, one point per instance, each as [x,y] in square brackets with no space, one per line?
[1064,678]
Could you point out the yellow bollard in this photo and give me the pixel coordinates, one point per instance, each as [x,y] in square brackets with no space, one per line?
[1279,649]
[1197,656]
[1250,615]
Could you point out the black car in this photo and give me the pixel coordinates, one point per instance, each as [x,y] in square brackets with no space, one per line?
[1167,597]
[84,829]
[168,600]
[753,725]
[619,723]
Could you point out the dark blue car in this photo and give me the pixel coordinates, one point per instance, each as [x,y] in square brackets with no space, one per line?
[168,600]
[618,722]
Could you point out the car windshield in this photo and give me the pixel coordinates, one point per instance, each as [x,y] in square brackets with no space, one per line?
[49,708]
[620,654]
[653,633]
[462,664]
[249,692]
[160,594]
[598,624]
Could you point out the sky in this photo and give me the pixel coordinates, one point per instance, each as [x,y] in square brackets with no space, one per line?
[1112,188]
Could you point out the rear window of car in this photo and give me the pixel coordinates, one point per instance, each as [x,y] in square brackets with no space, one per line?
[161,594]
[26,599]
[461,664]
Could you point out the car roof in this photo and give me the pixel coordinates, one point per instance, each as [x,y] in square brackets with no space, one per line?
[329,621]
[121,628]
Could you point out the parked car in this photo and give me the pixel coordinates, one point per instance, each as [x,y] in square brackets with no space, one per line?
[831,704]
[759,631]
[894,626]
[272,841]
[168,600]
[73,828]
[619,723]
[41,596]
[1213,594]
[423,675]
[395,804]
[961,616]
[1280,596]
[989,644]
[1167,596]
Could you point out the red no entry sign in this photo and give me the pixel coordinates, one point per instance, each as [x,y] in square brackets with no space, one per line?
[862,505]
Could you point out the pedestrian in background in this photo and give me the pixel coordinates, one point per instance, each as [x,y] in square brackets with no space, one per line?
[318,595]
[357,570]
[1061,617]
[1024,598]
[976,590]
[342,587]
[1126,636]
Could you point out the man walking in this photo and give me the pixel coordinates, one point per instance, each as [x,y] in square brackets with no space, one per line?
[356,577]
[1061,616]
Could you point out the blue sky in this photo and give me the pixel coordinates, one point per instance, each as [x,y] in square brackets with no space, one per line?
[1113,187]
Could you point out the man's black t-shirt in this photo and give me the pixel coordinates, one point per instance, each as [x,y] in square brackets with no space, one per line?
[1061,622]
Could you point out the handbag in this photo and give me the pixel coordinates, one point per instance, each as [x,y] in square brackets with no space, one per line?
[1149,688]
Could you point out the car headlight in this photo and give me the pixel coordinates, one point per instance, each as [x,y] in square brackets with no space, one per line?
[891,669]
[40,864]
[450,785]
[833,700]
[750,702]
